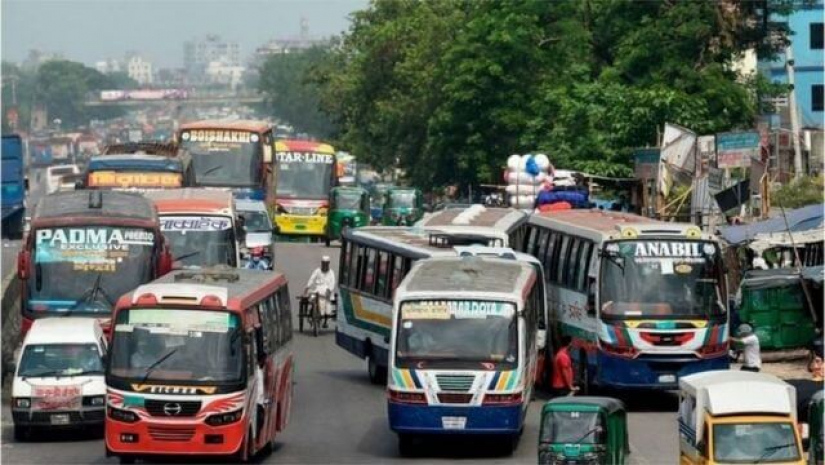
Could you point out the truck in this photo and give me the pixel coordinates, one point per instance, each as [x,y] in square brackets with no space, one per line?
[15,185]
[737,417]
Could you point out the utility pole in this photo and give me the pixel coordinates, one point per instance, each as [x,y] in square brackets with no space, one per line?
[789,68]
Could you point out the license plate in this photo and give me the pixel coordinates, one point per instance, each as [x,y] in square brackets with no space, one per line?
[453,422]
[60,419]
[667,378]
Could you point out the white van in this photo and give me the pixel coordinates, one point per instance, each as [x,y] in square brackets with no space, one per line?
[55,173]
[59,379]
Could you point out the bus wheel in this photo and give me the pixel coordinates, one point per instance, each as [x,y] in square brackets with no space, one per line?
[21,433]
[406,445]
[126,459]
[378,374]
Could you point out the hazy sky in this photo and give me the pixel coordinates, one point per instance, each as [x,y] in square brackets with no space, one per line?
[91,30]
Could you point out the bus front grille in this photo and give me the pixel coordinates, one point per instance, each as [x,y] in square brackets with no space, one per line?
[170,433]
[457,383]
[454,398]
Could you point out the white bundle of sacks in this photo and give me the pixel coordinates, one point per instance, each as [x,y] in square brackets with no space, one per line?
[524,177]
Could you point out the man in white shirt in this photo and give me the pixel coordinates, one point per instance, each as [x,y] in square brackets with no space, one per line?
[322,282]
[749,343]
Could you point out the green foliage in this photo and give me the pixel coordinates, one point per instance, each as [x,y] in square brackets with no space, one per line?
[804,191]
[292,94]
[61,87]
[448,89]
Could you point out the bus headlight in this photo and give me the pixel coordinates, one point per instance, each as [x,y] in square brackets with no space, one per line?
[94,401]
[22,402]
[221,419]
[125,416]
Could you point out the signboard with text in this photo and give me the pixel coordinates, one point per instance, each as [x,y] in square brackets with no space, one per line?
[735,149]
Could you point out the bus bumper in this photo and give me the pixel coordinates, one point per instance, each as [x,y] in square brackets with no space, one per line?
[173,438]
[301,225]
[651,372]
[431,419]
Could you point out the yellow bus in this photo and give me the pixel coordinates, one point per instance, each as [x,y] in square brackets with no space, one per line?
[304,175]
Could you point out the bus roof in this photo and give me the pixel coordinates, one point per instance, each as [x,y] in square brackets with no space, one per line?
[134,161]
[144,147]
[296,145]
[235,288]
[67,205]
[412,242]
[616,225]
[237,125]
[479,275]
[504,219]
[192,200]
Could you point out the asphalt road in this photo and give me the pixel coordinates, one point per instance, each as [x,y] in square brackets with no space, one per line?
[37,188]
[339,417]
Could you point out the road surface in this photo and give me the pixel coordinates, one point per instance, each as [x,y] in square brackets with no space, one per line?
[339,417]
[37,188]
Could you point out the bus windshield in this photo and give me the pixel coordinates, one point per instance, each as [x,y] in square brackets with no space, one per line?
[225,164]
[457,334]
[86,269]
[308,176]
[755,443]
[200,241]
[664,278]
[178,345]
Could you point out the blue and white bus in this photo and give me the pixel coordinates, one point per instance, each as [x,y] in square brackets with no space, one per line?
[464,349]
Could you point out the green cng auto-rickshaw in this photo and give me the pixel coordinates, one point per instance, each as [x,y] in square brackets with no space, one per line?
[816,448]
[402,207]
[348,207]
[583,430]
[774,304]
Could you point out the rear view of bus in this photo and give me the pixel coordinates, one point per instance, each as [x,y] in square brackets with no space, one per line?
[200,364]
[140,167]
[463,348]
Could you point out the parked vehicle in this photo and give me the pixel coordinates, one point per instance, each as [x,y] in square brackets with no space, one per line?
[257,230]
[402,207]
[201,364]
[59,380]
[774,304]
[15,184]
[737,417]
[583,430]
[54,175]
[349,207]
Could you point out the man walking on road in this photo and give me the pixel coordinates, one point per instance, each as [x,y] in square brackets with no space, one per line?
[749,343]
[322,282]
[562,384]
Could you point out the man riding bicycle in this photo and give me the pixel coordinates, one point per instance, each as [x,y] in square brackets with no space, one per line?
[322,283]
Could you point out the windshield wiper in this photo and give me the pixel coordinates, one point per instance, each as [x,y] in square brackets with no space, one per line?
[43,374]
[768,451]
[594,430]
[90,295]
[157,362]
[187,255]
[211,170]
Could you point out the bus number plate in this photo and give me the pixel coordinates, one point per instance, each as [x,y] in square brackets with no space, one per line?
[667,378]
[454,422]
[60,419]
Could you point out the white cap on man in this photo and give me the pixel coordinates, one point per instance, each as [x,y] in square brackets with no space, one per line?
[325,258]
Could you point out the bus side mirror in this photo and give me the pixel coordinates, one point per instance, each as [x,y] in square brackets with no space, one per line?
[23,264]
[164,261]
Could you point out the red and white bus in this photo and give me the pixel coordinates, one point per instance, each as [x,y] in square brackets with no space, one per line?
[200,363]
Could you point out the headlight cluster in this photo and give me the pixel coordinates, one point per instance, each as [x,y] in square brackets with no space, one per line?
[22,402]
[125,416]
[221,419]
[94,401]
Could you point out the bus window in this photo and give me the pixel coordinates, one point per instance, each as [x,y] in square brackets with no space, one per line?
[285,315]
[543,240]
[551,259]
[571,271]
[343,267]
[397,272]
[368,282]
[382,277]
[561,260]
[359,256]
[584,263]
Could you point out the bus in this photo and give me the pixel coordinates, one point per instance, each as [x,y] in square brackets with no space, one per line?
[491,226]
[138,167]
[373,261]
[84,250]
[200,363]
[644,301]
[464,349]
[304,174]
[232,155]
[199,225]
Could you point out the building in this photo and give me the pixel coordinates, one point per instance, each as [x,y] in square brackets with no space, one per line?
[199,53]
[109,66]
[223,73]
[287,45]
[801,64]
[139,69]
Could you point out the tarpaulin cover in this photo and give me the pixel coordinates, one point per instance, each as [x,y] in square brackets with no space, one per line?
[769,279]
[801,219]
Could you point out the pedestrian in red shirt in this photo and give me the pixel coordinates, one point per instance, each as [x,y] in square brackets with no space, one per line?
[562,384]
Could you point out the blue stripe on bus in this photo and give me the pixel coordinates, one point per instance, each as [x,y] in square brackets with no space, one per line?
[415,379]
[493,382]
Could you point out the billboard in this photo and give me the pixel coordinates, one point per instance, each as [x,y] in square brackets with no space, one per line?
[143,94]
[735,149]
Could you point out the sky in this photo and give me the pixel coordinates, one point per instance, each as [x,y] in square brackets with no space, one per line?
[93,30]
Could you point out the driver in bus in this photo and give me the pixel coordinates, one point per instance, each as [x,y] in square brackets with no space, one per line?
[322,282]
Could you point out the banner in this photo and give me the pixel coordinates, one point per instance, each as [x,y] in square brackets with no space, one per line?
[195,223]
[134,179]
[735,149]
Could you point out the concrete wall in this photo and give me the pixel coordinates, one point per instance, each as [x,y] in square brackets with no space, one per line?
[10,319]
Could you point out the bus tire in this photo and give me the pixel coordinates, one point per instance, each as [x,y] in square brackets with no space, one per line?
[406,445]
[21,433]
[126,459]
[377,373]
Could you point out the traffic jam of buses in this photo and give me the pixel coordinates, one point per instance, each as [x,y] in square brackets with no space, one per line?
[156,311]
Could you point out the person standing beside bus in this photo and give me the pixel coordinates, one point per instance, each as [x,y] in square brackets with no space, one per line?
[322,282]
[562,384]
[749,343]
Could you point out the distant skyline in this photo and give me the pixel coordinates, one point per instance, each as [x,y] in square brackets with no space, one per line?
[94,30]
